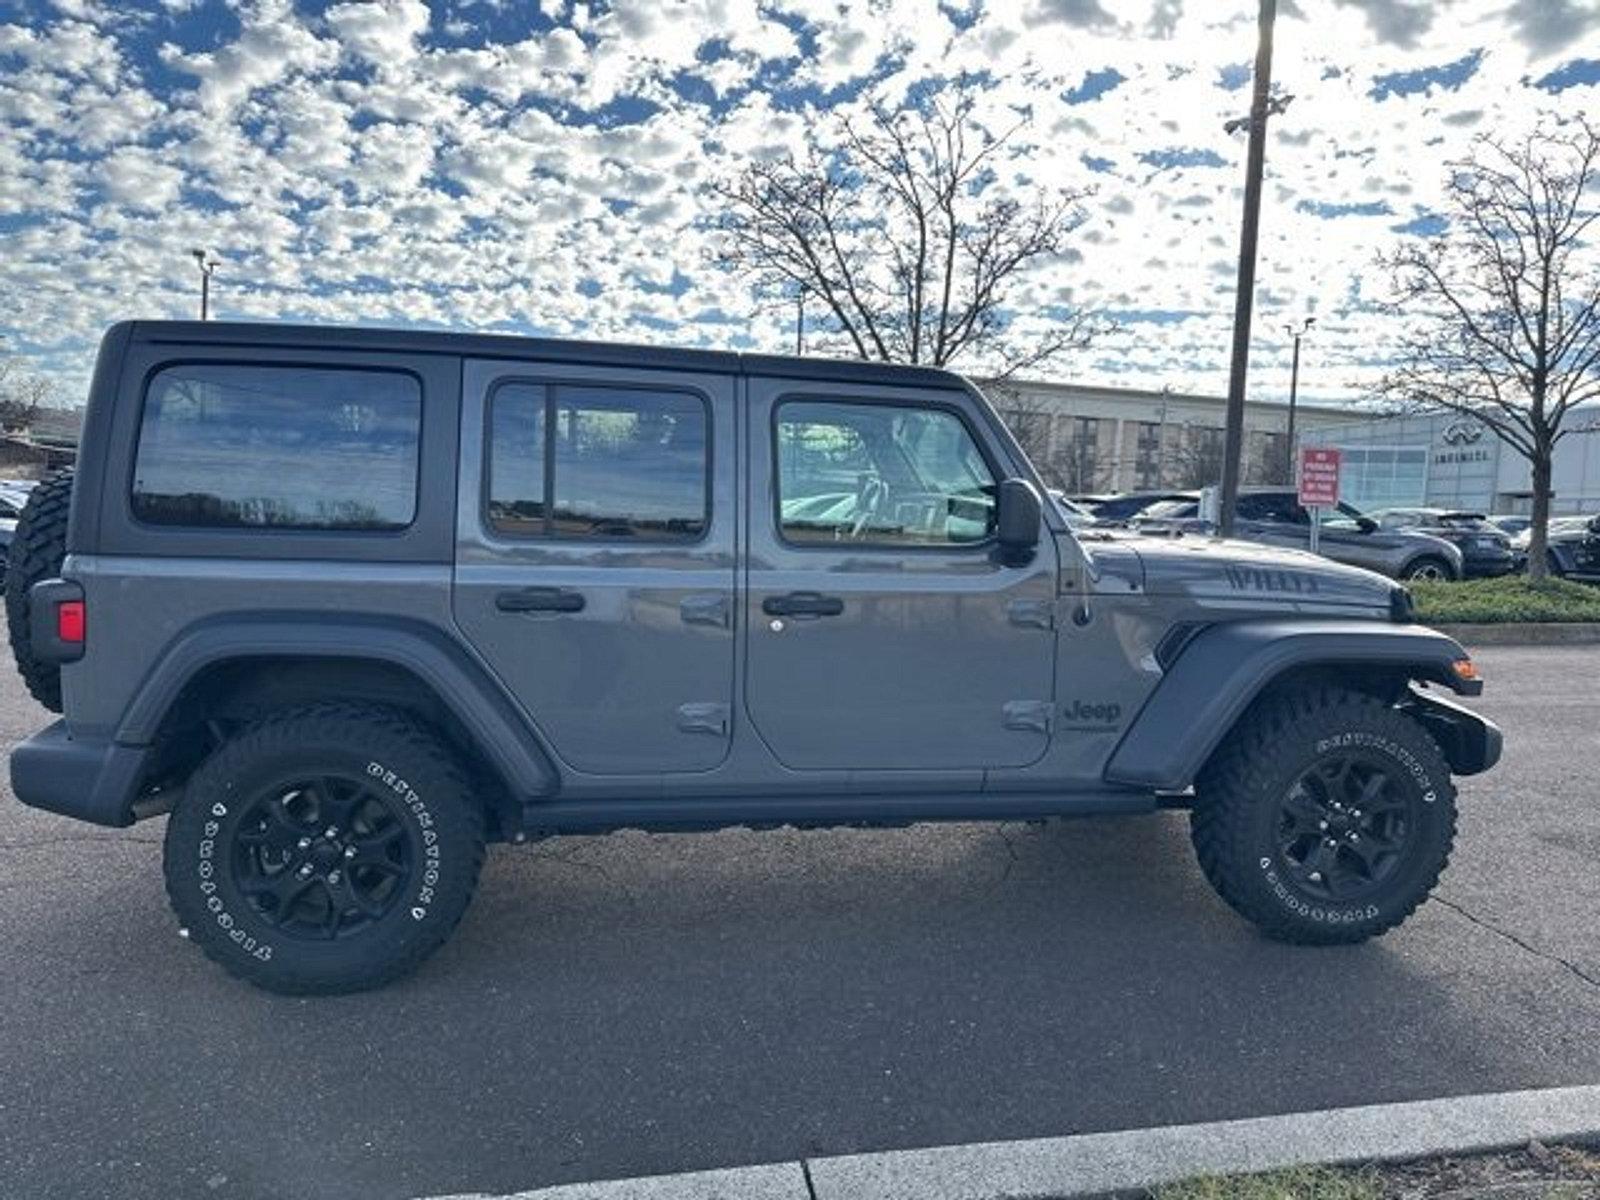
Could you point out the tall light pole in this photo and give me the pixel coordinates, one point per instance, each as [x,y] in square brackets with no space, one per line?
[207,264]
[1262,105]
[800,323]
[1294,389]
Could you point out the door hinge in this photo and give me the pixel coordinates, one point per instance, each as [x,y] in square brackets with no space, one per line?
[703,718]
[1032,614]
[1029,716]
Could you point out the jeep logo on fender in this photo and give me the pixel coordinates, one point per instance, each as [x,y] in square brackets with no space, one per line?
[1095,714]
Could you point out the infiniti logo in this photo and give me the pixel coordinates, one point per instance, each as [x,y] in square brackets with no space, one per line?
[1463,432]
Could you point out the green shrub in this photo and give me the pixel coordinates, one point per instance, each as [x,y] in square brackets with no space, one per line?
[1509,598]
[1296,1183]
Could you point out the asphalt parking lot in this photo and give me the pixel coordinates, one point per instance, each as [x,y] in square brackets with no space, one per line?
[641,1004]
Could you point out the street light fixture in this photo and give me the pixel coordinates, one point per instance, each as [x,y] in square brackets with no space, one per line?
[207,264]
[1294,388]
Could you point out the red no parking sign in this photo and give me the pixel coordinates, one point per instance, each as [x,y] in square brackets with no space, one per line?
[1319,477]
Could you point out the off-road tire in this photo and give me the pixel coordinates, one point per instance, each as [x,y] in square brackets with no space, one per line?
[1427,567]
[413,785]
[38,547]
[1235,820]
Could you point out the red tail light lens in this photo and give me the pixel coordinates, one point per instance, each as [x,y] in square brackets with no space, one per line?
[70,621]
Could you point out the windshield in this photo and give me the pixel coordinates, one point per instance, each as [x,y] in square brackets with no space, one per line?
[1346,517]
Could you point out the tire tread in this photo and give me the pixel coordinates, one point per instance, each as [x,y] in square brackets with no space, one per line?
[365,722]
[38,548]
[1242,771]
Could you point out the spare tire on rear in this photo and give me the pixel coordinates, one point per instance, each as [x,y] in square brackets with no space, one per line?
[38,548]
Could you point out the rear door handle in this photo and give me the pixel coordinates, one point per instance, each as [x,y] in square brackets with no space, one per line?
[540,599]
[802,604]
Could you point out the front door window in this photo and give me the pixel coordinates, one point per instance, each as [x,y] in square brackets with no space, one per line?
[880,475]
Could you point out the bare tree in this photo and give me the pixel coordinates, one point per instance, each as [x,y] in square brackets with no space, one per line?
[21,394]
[1507,301]
[897,224]
[1030,418]
[1194,459]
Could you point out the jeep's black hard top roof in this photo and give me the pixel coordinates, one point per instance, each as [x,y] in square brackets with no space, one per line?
[498,345]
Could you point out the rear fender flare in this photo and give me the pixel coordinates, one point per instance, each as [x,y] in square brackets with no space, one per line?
[502,732]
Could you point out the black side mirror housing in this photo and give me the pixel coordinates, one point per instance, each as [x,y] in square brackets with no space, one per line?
[1018,511]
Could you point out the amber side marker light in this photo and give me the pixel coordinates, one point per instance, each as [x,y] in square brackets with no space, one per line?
[1467,670]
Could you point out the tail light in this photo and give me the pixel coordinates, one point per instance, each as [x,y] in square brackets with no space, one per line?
[70,621]
[59,620]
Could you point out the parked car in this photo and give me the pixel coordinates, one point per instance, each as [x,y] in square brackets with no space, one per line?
[1485,550]
[13,495]
[380,597]
[1510,524]
[1274,517]
[1127,505]
[1558,525]
[1572,548]
[1075,514]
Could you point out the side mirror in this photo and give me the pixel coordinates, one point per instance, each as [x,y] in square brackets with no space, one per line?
[1366,525]
[1594,524]
[1018,511]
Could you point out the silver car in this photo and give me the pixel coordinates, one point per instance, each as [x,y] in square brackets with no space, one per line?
[1274,517]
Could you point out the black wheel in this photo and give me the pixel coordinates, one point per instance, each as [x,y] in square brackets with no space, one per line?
[38,546]
[1326,817]
[326,849]
[1427,569]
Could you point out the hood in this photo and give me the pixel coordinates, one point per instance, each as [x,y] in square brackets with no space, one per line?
[1247,577]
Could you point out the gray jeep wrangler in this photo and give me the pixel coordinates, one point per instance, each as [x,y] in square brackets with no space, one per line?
[351,603]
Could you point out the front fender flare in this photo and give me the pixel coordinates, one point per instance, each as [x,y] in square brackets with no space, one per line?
[1224,668]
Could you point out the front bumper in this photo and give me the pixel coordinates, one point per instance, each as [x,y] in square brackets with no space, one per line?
[1471,743]
[92,779]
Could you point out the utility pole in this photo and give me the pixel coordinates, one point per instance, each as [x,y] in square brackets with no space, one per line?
[1294,389]
[800,325]
[1261,106]
[207,265]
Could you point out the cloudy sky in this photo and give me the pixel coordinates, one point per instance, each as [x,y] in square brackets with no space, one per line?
[521,166]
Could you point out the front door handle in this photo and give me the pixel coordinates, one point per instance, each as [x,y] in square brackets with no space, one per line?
[802,604]
[540,599]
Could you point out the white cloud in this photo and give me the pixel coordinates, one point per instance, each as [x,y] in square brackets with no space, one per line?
[363,164]
[382,31]
[138,180]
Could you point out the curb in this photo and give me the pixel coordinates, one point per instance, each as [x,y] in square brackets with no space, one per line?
[1098,1163]
[1529,633]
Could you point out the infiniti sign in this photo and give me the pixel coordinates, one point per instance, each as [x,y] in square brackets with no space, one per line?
[1462,432]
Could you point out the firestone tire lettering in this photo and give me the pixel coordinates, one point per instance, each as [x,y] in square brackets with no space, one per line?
[1233,822]
[425,792]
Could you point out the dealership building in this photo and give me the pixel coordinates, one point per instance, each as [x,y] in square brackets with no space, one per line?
[1087,439]
[1450,461]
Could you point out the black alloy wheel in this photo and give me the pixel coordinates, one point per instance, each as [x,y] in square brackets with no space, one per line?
[322,857]
[1344,828]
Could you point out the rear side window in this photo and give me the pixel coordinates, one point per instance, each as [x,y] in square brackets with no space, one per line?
[598,462]
[235,446]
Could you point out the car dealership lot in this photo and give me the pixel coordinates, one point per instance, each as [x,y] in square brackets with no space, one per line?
[640,1004]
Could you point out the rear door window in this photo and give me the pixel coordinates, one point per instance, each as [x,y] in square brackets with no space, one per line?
[598,462]
[278,447]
